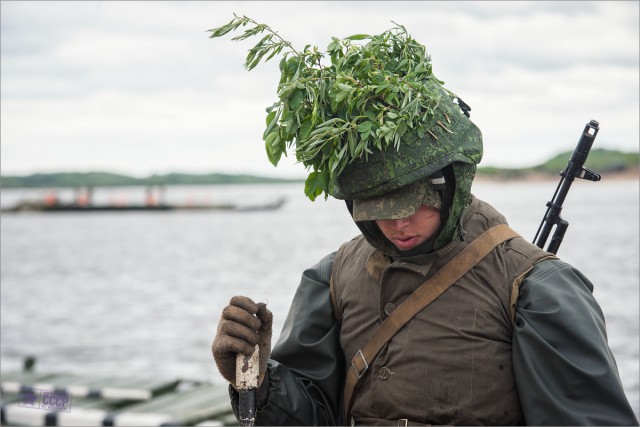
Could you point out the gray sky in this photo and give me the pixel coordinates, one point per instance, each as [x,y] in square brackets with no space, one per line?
[139,88]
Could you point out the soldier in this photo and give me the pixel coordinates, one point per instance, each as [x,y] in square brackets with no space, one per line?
[437,314]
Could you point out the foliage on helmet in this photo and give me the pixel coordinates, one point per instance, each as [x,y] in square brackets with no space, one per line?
[353,101]
[451,138]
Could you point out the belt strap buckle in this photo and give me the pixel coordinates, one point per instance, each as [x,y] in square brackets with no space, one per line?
[403,422]
[359,372]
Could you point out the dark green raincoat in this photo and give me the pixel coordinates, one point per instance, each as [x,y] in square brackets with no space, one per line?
[563,369]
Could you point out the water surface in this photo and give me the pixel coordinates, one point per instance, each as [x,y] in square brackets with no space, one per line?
[140,293]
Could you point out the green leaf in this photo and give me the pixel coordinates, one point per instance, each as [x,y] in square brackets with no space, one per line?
[370,94]
[305,128]
[365,126]
[295,100]
[274,150]
[333,46]
[315,184]
[358,37]
[341,96]
[270,118]
[370,115]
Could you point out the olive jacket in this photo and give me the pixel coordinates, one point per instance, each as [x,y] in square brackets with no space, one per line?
[563,369]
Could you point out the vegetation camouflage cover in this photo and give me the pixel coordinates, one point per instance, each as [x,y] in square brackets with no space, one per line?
[366,100]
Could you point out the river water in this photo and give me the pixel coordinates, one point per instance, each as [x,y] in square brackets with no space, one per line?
[140,293]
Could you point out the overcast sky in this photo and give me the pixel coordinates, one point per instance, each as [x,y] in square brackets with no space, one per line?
[139,88]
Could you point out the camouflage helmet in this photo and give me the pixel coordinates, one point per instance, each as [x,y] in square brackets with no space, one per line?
[452,140]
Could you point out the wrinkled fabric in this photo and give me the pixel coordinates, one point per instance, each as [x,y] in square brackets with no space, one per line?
[553,387]
[451,364]
[306,373]
[564,368]
[564,371]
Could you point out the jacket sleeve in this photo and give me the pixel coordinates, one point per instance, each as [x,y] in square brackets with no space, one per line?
[306,370]
[563,366]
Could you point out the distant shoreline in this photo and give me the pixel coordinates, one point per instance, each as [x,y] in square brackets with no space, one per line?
[611,164]
[109,179]
[629,174]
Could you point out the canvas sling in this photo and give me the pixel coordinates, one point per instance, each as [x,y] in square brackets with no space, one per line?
[453,270]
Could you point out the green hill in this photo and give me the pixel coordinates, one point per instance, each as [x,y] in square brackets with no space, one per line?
[98,179]
[600,160]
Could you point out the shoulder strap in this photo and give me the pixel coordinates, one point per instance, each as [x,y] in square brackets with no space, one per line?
[419,299]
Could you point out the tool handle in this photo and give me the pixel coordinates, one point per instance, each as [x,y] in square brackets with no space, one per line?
[247,370]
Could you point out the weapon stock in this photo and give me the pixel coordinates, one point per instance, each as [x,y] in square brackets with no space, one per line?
[575,169]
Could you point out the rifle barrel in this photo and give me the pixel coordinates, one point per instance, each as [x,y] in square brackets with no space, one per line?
[575,169]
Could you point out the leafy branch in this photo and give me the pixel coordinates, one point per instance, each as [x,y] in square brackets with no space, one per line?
[339,105]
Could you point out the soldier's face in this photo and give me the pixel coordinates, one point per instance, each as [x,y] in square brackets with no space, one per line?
[407,233]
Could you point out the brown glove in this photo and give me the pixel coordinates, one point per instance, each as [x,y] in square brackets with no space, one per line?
[243,325]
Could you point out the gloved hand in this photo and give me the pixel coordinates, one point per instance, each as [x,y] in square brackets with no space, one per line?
[243,325]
